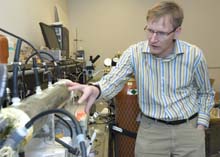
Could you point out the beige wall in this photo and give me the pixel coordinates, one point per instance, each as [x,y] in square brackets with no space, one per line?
[108,26]
[22,17]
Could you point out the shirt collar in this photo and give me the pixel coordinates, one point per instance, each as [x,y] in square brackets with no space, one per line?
[177,50]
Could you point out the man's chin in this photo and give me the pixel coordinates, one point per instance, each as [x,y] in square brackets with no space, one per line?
[155,49]
[155,52]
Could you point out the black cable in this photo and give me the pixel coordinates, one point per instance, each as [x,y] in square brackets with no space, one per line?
[78,129]
[15,69]
[53,59]
[41,52]
[3,82]
[16,60]
[37,82]
[69,126]
[57,67]
[70,149]
[25,41]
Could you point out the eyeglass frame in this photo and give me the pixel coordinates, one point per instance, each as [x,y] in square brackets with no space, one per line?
[159,33]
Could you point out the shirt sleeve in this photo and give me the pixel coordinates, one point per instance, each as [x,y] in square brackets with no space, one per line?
[112,83]
[205,91]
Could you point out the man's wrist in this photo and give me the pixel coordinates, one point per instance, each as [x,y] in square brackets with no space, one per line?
[97,86]
[202,127]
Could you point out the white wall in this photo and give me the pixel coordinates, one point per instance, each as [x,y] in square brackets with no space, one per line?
[22,17]
[108,26]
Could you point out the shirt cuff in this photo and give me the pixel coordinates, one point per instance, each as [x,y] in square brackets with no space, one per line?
[203,119]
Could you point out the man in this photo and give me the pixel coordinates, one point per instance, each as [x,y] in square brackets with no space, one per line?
[175,95]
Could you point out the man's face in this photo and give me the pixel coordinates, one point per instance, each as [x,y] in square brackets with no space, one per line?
[160,34]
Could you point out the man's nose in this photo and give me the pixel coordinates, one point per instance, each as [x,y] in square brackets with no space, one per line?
[154,37]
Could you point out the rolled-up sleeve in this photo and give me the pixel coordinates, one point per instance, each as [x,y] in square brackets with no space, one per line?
[205,91]
[112,83]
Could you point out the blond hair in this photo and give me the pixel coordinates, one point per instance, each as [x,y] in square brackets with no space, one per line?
[167,8]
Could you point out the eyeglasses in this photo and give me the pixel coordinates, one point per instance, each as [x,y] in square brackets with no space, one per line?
[159,34]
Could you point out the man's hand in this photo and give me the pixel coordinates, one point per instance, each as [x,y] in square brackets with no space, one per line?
[201,127]
[89,95]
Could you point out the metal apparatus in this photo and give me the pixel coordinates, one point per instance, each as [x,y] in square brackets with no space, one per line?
[47,114]
[16,121]
[27,115]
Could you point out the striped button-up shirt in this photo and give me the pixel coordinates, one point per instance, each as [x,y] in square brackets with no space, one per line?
[171,88]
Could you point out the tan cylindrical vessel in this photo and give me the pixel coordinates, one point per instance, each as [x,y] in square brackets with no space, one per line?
[3,50]
[127,110]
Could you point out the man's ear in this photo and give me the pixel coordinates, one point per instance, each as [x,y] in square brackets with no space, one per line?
[177,32]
